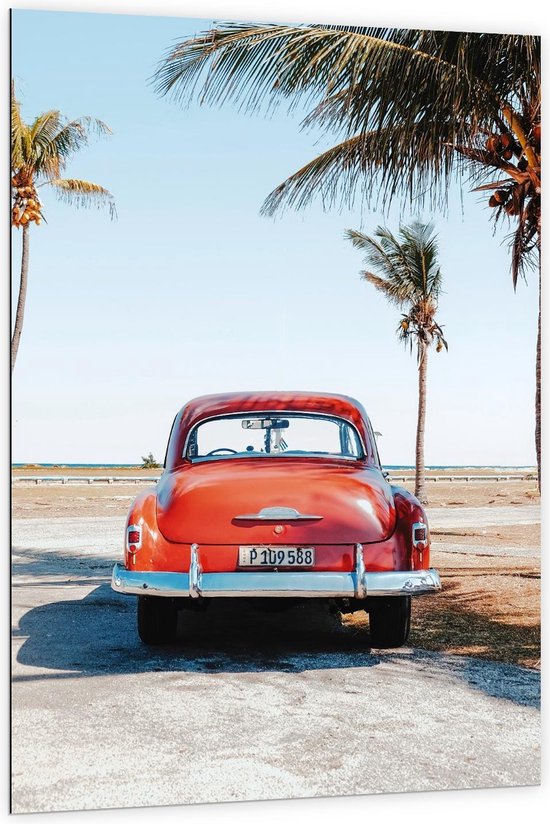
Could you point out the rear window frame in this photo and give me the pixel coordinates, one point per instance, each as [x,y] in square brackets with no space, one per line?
[319,456]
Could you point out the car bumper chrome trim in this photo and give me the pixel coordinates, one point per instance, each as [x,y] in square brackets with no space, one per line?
[360,583]
[303,584]
[195,573]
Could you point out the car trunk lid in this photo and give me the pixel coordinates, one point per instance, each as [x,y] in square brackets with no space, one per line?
[275,501]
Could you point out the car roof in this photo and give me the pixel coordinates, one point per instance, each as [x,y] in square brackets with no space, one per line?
[232,402]
[228,403]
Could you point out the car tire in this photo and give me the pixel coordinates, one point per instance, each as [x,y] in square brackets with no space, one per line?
[390,622]
[157,620]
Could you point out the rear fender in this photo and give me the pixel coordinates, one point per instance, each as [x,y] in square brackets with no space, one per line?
[155,553]
[409,511]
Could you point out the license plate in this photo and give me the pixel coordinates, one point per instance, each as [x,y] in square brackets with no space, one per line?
[275,556]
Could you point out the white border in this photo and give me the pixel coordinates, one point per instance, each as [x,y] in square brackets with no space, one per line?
[502,806]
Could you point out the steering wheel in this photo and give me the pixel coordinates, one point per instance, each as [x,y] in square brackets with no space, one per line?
[222,449]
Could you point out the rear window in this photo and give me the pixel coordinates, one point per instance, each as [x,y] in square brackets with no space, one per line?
[274,435]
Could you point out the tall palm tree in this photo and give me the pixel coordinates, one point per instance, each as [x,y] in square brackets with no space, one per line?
[39,154]
[407,272]
[411,111]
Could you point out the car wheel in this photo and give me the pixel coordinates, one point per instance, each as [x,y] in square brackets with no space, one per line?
[390,622]
[157,620]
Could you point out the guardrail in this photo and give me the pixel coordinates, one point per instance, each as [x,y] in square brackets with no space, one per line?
[85,479]
[150,479]
[528,476]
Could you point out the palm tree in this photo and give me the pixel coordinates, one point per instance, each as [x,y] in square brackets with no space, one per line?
[39,154]
[412,110]
[407,273]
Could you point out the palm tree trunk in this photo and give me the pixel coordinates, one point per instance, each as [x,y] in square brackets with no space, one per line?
[22,296]
[419,489]
[538,370]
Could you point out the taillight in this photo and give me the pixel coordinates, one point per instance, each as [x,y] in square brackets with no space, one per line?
[419,535]
[133,537]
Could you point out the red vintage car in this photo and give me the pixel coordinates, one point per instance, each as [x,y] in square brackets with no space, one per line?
[275,495]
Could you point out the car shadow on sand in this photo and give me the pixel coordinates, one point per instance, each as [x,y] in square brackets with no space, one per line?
[96,635]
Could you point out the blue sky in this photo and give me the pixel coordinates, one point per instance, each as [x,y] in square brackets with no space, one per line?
[191,291]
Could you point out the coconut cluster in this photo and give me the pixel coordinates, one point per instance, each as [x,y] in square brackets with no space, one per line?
[503,145]
[510,197]
[26,205]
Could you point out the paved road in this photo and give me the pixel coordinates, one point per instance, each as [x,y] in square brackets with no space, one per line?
[442,518]
[485,550]
[480,516]
[247,705]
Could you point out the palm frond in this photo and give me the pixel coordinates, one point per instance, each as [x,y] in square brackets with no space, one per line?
[451,85]
[407,272]
[453,82]
[43,157]
[392,291]
[82,193]
[64,140]
[420,249]
[411,109]
[19,133]
[384,255]
[253,65]
[523,245]
[45,126]
[408,263]
[495,184]
[342,68]
[375,167]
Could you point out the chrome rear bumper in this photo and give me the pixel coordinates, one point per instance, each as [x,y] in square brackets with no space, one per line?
[302,584]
